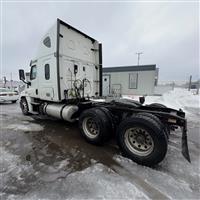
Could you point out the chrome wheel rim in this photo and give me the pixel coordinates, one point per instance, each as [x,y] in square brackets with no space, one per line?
[139,141]
[90,128]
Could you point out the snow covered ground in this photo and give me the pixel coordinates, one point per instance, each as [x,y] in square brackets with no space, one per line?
[45,159]
[97,181]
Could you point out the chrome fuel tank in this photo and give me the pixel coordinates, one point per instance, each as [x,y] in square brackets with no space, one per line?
[61,111]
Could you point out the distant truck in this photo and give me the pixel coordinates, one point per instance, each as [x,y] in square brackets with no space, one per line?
[66,78]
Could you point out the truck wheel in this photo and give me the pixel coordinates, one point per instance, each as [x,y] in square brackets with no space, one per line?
[155,118]
[141,139]
[95,126]
[14,101]
[24,106]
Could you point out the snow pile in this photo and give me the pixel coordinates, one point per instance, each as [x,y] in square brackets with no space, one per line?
[177,98]
[180,98]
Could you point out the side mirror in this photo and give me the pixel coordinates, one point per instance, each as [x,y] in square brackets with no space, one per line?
[75,69]
[21,75]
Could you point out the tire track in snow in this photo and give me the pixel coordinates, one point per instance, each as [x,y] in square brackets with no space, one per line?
[149,190]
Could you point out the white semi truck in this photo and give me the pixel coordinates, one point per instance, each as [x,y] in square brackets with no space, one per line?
[66,77]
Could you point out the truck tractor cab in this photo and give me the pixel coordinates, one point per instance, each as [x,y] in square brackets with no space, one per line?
[67,66]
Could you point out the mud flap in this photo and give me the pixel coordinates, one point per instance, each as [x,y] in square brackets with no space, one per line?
[185,150]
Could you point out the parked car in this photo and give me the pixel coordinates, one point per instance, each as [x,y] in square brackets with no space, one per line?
[8,95]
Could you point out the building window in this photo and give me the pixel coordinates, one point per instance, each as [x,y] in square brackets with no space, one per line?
[47,71]
[47,42]
[33,72]
[133,80]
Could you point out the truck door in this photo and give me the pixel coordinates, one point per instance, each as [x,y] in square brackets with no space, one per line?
[47,80]
[106,85]
[33,89]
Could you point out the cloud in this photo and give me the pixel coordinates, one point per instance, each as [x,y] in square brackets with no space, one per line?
[167,33]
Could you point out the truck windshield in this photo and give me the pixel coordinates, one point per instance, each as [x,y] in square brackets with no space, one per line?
[33,73]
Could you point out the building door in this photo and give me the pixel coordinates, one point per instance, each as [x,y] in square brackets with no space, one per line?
[106,85]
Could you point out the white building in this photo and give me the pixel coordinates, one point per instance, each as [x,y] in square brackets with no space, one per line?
[130,80]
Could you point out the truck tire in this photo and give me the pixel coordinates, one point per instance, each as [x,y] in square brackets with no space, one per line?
[141,139]
[24,106]
[95,126]
[111,120]
[14,101]
[159,105]
[162,126]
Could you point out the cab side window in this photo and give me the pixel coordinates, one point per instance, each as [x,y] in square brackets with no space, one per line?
[33,73]
[47,71]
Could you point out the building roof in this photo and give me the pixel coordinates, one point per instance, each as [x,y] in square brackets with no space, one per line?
[130,68]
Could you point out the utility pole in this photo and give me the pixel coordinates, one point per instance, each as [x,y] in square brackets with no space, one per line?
[11,81]
[173,85]
[4,81]
[190,82]
[198,85]
[138,55]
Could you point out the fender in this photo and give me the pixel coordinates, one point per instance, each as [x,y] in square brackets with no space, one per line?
[28,99]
